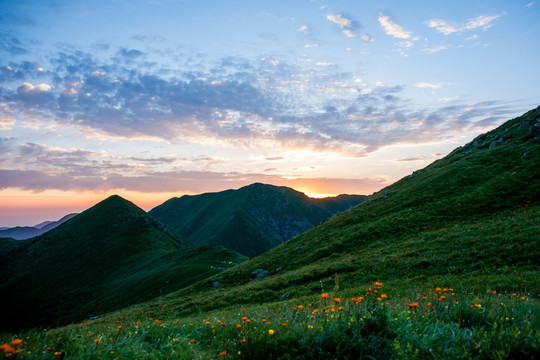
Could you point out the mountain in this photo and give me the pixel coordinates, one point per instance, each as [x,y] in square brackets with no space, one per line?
[27,232]
[250,220]
[110,256]
[441,264]
[470,218]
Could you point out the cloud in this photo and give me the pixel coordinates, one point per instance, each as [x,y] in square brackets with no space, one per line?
[483,22]
[435,49]
[393,29]
[235,102]
[529,4]
[347,25]
[423,85]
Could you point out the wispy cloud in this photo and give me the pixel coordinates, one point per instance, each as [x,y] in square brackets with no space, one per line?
[392,28]
[423,85]
[347,25]
[482,22]
[435,49]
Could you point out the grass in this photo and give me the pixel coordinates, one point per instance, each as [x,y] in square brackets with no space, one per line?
[421,320]
[455,246]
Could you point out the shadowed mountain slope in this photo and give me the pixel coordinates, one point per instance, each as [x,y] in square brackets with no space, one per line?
[110,256]
[250,220]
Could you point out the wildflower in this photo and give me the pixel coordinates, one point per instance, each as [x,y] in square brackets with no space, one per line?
[248,321]
[271,332]
[476,306]
[191,324]
[340,308]
[315,311]
[442,298]
[138,323]
[429,304]
[223,353]
[300,307]
[325,296]
[243,341]
[207,323]
[284,325]
[263,321]
[337,300]
[244,318]
[438,289]
[358,300]
[238,326]
[192,341]
[119,327]
[378,285]
[7,349]
[413,305]
[384,296]
[58,353]
[16,342]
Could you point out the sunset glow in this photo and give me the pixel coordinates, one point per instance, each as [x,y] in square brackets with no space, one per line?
[152,99]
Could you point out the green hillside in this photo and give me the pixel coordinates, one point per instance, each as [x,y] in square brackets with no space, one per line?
[250,220]
[110,256]
[443,264]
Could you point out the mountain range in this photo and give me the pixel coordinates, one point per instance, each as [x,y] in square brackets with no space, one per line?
[250,220]
[27,232]
[469,220]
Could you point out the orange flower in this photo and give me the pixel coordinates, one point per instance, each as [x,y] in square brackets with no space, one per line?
[238,326]
[438,289]
[243,341]
[358,300]
[340,308]
[315,311]
[223,353]
[119,327]
[16,342]
[192,341]
[476,306]
[325,296]
[300,307]
[263,321]
[248,321]
[337,300]
[378,285]
[384,296]
[244,318]
[207,323]
[58,353]
[7,349]
[442,298]
[412,305]
[284,325]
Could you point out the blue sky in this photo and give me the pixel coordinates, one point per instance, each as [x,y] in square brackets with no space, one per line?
[159,98]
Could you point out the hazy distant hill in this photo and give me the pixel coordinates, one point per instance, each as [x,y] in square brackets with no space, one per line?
[110,256]
[250,220]
[27,232]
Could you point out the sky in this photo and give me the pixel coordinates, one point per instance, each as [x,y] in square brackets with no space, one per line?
[152,99]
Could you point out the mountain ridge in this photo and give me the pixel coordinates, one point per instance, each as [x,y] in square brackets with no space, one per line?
[111,255]
[249,220]
[27,232]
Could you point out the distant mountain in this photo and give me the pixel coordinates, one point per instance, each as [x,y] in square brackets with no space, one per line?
[27,232]
[250,220]
[110,256]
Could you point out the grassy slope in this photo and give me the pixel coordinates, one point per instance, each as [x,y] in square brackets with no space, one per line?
[250,220]
[108,257]
[468,222]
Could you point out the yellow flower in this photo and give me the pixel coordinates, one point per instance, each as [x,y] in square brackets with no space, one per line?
[271,332]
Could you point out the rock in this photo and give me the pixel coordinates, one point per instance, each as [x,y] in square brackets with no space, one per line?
[258,273]
[535,130]
[478,142]
[262,274]
[496,142]
[524,124]
[216,283]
